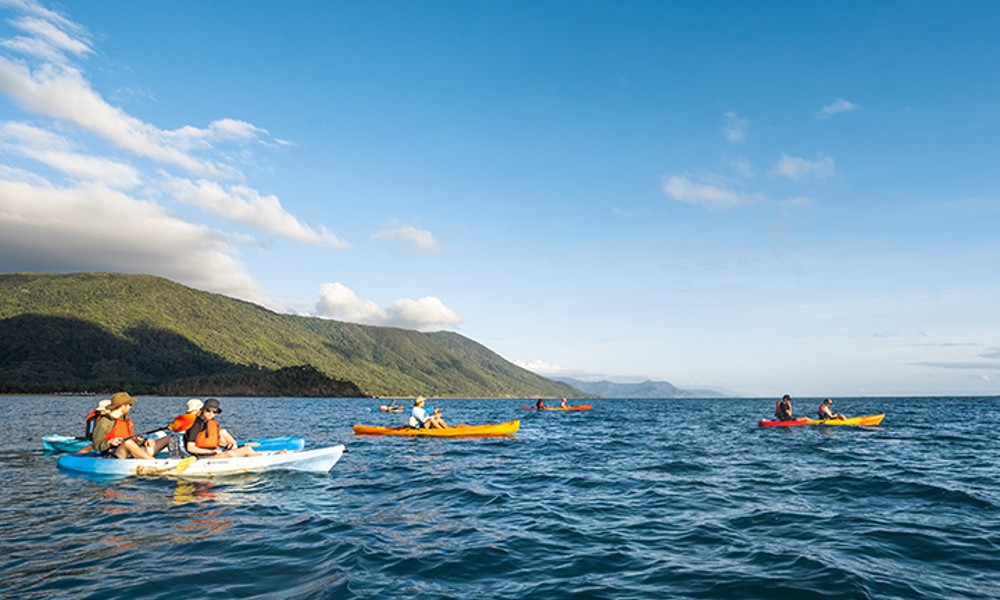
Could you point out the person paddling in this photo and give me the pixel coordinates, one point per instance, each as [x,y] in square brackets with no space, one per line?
[540,405]
[114,434]
[783,408]
[563,404]
[826,411]
[420,419]
[91,420]
[205,438]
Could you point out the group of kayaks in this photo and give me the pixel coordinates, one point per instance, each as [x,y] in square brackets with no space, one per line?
[289,453]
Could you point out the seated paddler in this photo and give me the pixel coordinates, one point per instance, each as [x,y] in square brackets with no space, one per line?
[420,419]
[205,438]
[114,434]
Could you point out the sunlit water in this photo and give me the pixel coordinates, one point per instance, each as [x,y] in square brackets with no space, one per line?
[634,499]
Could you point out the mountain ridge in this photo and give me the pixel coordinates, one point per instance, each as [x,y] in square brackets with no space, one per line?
[69,332]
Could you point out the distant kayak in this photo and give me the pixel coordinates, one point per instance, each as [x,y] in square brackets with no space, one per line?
[457,431]
[864,421]
[319,460]
[56,443]
[580,407]
[390,408]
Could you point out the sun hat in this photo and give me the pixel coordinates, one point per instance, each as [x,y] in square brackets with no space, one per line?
[419,400]
[213,404]
[194,405]
[103,405]
[120,399]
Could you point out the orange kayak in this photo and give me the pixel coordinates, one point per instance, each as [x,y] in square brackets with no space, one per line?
[580,407]
[457,431]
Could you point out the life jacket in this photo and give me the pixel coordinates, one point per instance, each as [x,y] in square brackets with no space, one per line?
[209,436]
[182,423]
[779,411]
[121,429]
[90,421]
[825,414]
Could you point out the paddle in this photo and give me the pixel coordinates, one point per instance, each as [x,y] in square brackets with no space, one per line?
[178,468]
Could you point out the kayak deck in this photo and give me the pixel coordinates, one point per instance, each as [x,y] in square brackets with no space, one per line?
[862,421]
[494,429]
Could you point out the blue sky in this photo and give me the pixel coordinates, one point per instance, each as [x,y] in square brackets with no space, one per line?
[762,198]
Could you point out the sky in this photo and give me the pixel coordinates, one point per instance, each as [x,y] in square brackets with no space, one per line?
[757,198]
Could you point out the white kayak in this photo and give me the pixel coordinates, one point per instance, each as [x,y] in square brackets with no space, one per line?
[319,460]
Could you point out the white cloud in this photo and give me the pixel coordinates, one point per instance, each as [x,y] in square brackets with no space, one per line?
[55,151]
[839,106]
[799,169]
[407,236]
[734,128]
[337,301]
[539,366]
[245,205]
[712,196]
[95,228]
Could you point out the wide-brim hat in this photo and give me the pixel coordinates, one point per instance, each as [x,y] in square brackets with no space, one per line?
[194,405]
[213,404]
[120,399]
[419,400]
[103,405]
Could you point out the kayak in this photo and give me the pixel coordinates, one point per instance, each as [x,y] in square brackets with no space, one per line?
[457,431]
[319,460]
[863,421]
[580,407]
[389,408]
[55,443]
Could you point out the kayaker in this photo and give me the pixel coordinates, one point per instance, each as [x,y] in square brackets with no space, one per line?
[826,412]
[91,420]
[114,435]
[420,419]
[206,438]
[183,422]
[563,404]
[783,408]
[540,405]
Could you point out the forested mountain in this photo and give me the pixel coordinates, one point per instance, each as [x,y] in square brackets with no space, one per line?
[642,389]
[102,331]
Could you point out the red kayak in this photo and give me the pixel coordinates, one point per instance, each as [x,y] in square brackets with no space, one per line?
[580,407]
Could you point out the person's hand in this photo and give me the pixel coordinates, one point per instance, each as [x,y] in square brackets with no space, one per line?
[116,441]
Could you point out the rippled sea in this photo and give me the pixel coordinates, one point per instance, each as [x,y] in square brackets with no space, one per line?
[634,499]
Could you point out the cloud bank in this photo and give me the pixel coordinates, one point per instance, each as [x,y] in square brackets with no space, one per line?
[337,301]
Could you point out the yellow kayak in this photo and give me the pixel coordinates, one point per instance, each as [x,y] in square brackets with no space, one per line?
[864,421]
[457,431]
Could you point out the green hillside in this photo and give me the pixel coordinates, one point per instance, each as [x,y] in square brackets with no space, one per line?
[99,331]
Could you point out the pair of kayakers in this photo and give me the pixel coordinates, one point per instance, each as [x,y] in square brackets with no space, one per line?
[114,433]
[783,409]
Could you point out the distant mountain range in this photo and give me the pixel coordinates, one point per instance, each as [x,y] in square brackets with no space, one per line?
[102,332]
[643,389]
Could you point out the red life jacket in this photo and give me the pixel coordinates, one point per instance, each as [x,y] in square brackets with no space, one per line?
[209,436]
[122,429]
[183,422]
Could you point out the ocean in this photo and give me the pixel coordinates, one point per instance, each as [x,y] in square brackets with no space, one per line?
[634,499]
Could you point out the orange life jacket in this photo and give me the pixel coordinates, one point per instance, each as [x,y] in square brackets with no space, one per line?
[183,422]
[209,436]
[122,429]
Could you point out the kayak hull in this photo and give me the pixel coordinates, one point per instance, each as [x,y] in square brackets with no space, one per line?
[319,460]
[55,443]
[580,407]
[495,429]
[862,421]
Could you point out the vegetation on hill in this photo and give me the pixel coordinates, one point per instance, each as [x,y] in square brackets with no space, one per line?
[103,331]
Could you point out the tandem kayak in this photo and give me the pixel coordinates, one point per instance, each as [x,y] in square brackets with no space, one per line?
[863,421]
[319,460]
[580,407]
[55,443]
[457,431]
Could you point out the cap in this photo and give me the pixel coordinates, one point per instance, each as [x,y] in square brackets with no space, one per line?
[213,404]
[194,405]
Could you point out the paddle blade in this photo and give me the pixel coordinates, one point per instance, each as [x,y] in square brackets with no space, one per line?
[184,464]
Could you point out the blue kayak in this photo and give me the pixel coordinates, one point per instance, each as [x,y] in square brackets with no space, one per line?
[55,443]
[318,460]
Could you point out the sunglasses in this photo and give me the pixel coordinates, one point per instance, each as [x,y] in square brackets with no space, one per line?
[213,411]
